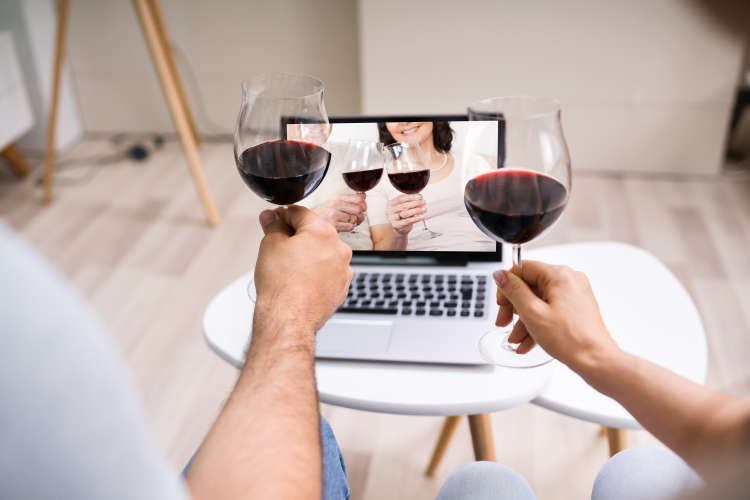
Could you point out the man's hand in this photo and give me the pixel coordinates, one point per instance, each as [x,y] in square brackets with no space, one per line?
[302,274]
[404,211]
[557,310]
[343,211]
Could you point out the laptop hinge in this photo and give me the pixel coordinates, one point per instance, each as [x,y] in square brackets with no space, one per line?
[377,260]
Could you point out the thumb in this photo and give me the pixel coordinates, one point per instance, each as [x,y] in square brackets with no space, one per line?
[525,302]
[271,222]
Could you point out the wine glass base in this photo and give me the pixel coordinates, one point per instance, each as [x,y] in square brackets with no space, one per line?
[424,235]
[495,349]
[251,292]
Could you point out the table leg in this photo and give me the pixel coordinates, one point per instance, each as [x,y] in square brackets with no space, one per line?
[481,436]
[63,7]
[15,160]
[446,434]
[176,106]
[617,438]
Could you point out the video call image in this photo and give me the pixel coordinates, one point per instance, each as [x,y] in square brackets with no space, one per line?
[404,211]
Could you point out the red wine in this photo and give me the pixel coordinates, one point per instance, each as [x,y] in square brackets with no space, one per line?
[283,172]
[410,182]
[363,180]
[514,205]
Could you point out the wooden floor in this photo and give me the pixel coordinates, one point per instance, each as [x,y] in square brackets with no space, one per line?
[132,238]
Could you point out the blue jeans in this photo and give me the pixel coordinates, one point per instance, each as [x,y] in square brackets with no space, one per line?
[335,485]
[643,473]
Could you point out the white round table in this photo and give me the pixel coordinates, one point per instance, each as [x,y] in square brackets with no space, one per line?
[647,310]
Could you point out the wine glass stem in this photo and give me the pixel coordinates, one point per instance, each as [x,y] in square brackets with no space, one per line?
[516,252]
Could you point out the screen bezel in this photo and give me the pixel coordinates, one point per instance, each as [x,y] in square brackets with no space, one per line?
[390,257]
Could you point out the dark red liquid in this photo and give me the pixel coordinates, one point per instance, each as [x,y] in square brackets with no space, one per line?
[410,182]
[513,205]
[283,172]
[363,180]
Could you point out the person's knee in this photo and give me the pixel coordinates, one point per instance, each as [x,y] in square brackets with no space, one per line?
[646,473]
[485,481]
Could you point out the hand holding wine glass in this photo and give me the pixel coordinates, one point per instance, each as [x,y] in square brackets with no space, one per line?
[363,168]
[404,211]
[279,115]
[522,196]
[343,211]
[409,172]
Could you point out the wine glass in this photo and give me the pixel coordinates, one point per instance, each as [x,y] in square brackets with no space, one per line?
[364,166]
[278,138]
[520,194]
[409,172]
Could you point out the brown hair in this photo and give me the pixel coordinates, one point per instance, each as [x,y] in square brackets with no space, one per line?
[442,135]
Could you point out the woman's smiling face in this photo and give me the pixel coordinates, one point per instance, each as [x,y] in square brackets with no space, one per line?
[410,132]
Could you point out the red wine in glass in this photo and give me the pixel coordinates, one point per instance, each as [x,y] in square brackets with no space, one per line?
[363,180]
[514,206]
[410,182]
[283,172]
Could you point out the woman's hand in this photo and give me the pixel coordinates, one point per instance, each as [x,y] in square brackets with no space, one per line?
[343,211]
[557,310]
[404,211]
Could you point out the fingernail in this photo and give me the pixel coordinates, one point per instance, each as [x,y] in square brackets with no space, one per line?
[267,217]
[500,278]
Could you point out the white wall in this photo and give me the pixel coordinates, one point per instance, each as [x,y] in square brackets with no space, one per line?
[645,85]
[225,42]
[33,24]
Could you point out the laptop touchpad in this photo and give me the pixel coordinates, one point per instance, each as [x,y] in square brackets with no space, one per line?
[354,336]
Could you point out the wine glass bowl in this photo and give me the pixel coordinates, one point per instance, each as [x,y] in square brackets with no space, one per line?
[278,137]
[520,196]
[409,172]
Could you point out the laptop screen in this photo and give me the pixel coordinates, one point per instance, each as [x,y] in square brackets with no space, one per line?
[390,229]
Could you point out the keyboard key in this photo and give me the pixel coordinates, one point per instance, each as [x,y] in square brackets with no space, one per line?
[452,279]
[465,312]
[427,288]
[393,303]
[388,295]
[352,302]
[481,289]
[450,312]
[435,304]
[428,296]
[405,311]
[420,312]
[401,295]
[369,310]
[421,303]
[380,303]
[400,288]
[406,303]
[465,305]
[482,280]
[425,278]
[387,288]
[440,289]
[441,296]
[478,314]
[413,288]
[366,302]
[375,295]
[450,304]
[436,312]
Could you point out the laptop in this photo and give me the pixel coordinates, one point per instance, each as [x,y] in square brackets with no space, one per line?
[433,300]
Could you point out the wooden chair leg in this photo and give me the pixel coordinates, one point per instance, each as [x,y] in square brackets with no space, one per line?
[618,440]
[15,160]
[481,436]
[63,8]
[446,434]
[162,35]
[176,106]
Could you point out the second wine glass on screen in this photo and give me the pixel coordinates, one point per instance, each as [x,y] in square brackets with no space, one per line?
[409,172]
[279,136]
[519,196]
[363,168]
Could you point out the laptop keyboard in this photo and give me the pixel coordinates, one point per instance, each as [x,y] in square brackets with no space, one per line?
[417,295]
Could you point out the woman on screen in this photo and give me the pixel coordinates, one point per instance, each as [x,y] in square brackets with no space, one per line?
[393,216]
